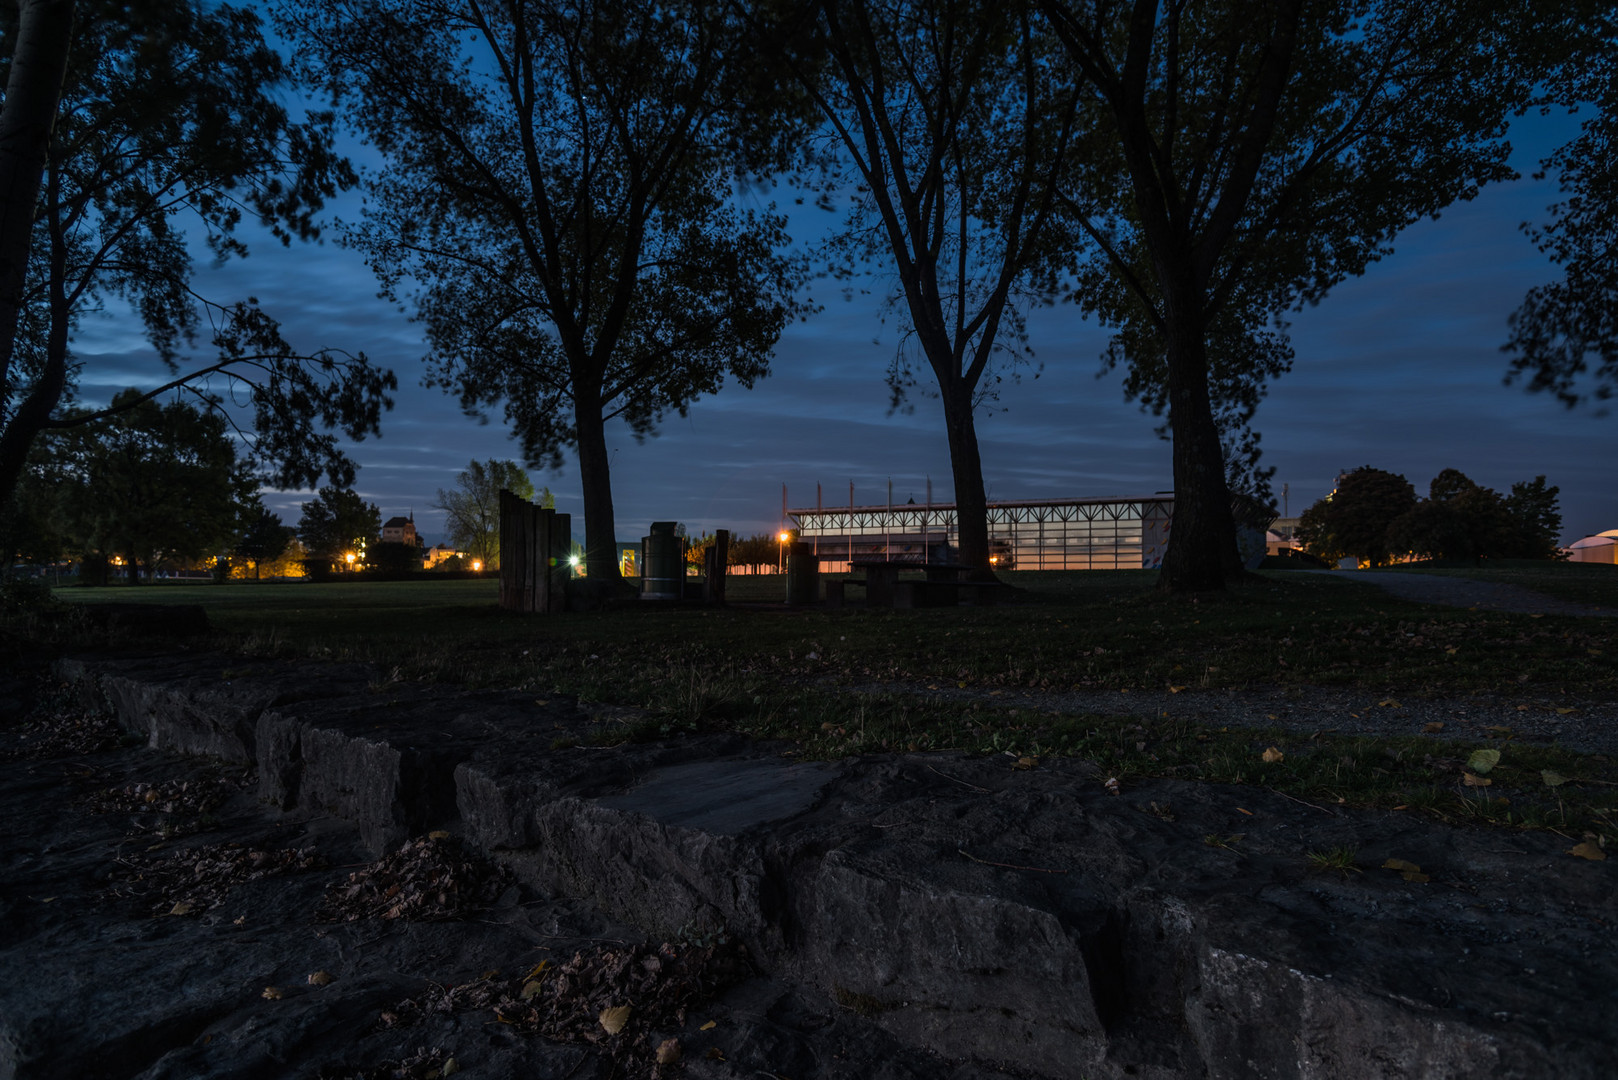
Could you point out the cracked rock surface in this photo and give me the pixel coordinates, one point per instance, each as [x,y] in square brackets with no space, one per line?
[910,915]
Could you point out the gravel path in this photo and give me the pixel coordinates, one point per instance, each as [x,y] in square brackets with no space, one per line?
[1468,593]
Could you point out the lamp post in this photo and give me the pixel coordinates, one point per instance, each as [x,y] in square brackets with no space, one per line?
[781,552]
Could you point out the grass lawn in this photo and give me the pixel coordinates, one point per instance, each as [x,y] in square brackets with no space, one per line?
[1584,583]
[856,681]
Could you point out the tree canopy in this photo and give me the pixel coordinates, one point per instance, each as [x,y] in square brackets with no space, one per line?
[338,522]
[472,507]
[559,192]
[1251,156]
[1353,520]
[953,128]
[169,126]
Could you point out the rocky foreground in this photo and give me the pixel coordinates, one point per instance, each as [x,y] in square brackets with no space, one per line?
[312,871]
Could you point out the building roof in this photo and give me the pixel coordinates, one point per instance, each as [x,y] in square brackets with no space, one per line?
[397,523]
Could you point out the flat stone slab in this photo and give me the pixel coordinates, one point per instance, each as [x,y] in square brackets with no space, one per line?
[1024,919]
[724,797]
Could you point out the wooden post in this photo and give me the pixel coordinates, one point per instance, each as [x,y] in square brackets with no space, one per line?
[715,560]
[534,543]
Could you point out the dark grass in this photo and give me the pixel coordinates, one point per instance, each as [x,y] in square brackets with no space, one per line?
[857,681]
[1585,583]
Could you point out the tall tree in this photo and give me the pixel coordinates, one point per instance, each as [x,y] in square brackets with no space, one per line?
[1262,151]
[1354,519]
[1564,337]
[151,481]
[169,116]
[472,508]
[264,537]
[559,190]
[955,127]
[338,522]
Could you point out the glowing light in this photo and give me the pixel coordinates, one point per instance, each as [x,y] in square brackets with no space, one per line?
[785,537]
[477,565]
[573,560]
[350,558]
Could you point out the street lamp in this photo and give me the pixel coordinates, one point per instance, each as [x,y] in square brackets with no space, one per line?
[781,553]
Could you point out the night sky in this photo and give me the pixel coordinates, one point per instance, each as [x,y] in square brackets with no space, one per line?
[1400,369]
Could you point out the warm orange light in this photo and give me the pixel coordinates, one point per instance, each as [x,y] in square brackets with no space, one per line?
[350,557]
[785,537]
[476,565]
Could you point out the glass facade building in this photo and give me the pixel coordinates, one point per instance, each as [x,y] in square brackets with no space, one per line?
[1057,534]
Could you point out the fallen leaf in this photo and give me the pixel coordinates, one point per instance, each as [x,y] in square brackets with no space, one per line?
[1452,650]
[1563,712]
[1401,865]
[1389,703]
[272,993]
[1552,779]
[668,1051]
[438,834]
[1522,708]
[1588,850]
[1111,785]
[1249,813]
[1175,689]
[613,1020]
[709,1026]
[1271,716]
[531,989]
[1272,755]
[1472,780]
[714,1054]
[1433,728]
[1536,615]
[1026,762]
[180,908]
[961,685]
[1482,761]
[320,978]
[239,920]
[449,1067]
[1500,729]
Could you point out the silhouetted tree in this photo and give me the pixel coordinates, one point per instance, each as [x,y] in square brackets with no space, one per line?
[1564,338]
[1260,153]
[1354,519]
[169,115]
[559,186]
[337,522]
[1536,519]
[472,507]
[265,537]
[954,126]
[151,480]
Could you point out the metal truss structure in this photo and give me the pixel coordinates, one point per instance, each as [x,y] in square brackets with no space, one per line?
[1058,534]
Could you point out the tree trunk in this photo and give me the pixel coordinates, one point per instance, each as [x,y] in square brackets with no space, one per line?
[966,467]
[1202,554]
[595,475]
[33,91]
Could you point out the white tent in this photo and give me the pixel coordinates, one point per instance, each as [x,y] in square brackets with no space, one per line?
[1601,548]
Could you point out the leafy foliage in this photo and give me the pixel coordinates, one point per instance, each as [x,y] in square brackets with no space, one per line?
[559,185]
[170,115]
[1246,159]
[265,537]
[1564,337]
[472,508]
[336,522]
[149,481]
[1354,519]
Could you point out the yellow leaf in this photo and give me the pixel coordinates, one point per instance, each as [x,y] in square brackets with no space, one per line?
[1433,728]
[1563,712]
[1536,615]
[438,834]
[1475,781]
[531,989]
[1175,689]
[320,978]
[1249,813]
[451,1066]
[1272,755]
[538,970]
[1482,761]
[714,1054]
[1552,779]
[1389,703]
[272,993]
[668,1051]
[613,1020]
[961,685]
[1452,650]
[1402,866]
[1026,762]
[181,908]
[1415,875]
[709,1026]
[1588,850]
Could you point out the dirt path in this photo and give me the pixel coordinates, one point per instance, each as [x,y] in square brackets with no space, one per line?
[1469,593]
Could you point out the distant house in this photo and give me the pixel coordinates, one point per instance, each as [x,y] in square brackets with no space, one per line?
[400,530]
[438,554]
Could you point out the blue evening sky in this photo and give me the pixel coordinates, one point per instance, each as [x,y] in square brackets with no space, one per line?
[1400,369]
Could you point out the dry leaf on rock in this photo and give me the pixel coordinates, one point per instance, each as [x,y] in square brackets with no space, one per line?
[1408,870]
[1552,779]
[272,993]
[1112,785]
[1473,780]
[1433,727]
[709,1026]
[428,879]
[1482,761]
[1588,850]
[1272,755]
[320,978]
[1025,762]
[668,1051]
